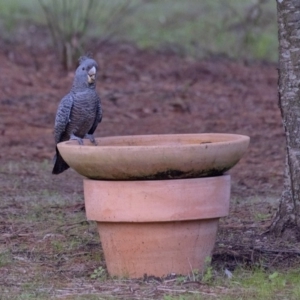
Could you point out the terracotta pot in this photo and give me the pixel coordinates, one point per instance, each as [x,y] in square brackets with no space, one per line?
[157,227]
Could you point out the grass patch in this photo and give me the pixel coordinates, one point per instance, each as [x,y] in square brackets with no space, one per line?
[238,29]
[259,284]
[5,258]
[43,233]
[249,285]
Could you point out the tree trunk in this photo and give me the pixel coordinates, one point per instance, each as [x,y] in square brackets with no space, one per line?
[288,214]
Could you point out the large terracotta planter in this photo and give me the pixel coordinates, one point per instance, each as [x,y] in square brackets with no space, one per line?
[157,227]
[157,199]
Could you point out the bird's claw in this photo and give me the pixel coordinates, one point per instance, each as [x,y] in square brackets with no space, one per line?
[78,139]
[91,138]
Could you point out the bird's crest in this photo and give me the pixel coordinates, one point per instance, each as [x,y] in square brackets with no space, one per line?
[85,57]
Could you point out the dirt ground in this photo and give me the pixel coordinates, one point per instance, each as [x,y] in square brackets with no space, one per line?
[146,92]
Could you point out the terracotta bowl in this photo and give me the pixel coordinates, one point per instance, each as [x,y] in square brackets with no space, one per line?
[143,157]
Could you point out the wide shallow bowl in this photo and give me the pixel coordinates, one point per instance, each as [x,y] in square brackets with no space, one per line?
[166,156]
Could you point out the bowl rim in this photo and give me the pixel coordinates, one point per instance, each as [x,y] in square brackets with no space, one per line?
[232,139]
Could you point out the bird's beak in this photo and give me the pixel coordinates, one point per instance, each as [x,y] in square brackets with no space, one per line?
[92,75]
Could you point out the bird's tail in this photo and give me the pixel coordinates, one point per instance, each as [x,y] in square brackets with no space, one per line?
[59,164]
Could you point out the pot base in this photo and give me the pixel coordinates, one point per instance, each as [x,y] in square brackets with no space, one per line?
[157,227]
[135,249]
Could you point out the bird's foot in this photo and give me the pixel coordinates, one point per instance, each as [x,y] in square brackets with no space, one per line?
[91,138]
[78,139]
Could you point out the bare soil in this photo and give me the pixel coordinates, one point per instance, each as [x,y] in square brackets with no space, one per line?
[143,92]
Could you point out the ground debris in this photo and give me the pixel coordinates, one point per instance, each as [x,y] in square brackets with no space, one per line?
[49,250]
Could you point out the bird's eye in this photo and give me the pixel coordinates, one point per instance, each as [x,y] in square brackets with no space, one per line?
[83,69]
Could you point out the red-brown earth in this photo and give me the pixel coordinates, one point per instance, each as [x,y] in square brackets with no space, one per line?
[148,92]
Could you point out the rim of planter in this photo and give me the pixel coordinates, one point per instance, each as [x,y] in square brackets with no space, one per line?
[162,156]
[157,200]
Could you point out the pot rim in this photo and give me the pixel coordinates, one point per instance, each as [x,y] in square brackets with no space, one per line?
[228,138]
[157,200]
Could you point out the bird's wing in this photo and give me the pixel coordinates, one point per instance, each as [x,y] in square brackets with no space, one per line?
[97,119]
[63,117]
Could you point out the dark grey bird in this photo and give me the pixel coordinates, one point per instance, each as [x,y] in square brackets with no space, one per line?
[79,112]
